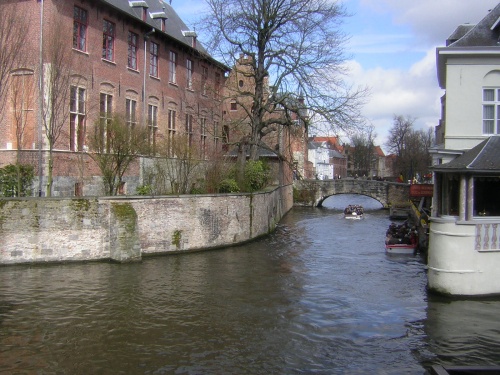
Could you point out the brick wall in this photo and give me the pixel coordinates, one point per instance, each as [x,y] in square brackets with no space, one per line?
[123,229]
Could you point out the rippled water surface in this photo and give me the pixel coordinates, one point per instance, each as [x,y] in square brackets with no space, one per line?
[318,296]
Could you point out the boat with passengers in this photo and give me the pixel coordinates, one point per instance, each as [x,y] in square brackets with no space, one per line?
[354,212]
[401,239]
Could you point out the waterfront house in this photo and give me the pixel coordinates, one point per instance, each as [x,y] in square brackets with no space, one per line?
[464,242]
[319,155]
[133,58]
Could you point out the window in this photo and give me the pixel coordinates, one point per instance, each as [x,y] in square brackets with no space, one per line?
[108,41]
[216,135]
[80,22]
[173,67]
[106,102]
[77,118]
[153,59]
[189,74]
[233,105]
[152,125]
[491,111]
[486,197]
[450,192]
[203,137]
[189,129]
[204,78]
[171,130]
[132,50]
[130,113]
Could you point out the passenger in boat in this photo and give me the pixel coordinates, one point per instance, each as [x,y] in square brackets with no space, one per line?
[401,234]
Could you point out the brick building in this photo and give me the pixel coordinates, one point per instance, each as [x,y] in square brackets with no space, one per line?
[288,138]
[133,58]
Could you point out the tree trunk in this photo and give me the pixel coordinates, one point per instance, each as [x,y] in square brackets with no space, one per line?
[241,160]
[48,192]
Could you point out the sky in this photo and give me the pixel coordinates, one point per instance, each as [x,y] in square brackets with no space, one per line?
[392,51]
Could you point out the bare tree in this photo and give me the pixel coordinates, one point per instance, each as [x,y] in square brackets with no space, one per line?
[401,127]
[22,97]
[295,63]
[410,146]
[114,146]
[57,79]
[363,151]
[177,164]
[13,38]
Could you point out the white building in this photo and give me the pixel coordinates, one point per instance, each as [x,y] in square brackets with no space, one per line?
[319,154]
[464,240]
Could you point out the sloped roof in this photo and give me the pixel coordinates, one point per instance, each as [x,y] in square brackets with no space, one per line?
[261,152]
[481,39]
[312,145]
[333,141]
[485,157]
[378,150]
[336,154]
[174,26]
[459,32]
[485,33]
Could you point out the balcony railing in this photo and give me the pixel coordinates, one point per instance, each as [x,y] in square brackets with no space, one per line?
[487,237]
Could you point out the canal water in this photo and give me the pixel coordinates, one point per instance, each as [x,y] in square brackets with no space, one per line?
[317,296]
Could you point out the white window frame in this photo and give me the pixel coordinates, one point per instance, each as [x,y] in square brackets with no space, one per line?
[171,129]
[491,110]
[172,74]
[77,118]
[152,125]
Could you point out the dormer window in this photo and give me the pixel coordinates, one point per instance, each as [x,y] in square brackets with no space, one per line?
[162,16]
[140,4]
[191,34]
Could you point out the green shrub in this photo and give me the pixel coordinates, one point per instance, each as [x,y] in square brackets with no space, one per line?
[144,190]
[256,175]
[9,184]
[229,185]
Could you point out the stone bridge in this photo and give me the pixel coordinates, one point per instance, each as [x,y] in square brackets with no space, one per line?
[314,192]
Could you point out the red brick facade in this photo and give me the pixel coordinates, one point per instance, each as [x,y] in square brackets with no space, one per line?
[111,78]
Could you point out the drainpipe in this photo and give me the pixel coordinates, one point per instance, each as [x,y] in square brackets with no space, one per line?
[146,38]
[40,105]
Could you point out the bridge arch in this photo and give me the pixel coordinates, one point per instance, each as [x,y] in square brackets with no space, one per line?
[314,192]
[320,202]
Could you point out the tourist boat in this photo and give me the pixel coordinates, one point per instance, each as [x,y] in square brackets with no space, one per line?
[353,212]
[401,248]
[401,239]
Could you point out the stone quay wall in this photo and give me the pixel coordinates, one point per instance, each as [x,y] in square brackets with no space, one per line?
[123,229]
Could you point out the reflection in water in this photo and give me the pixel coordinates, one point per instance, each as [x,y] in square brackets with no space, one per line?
[464,332]
[318,296]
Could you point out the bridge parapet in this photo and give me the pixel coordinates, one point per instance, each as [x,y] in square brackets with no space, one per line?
[314,192]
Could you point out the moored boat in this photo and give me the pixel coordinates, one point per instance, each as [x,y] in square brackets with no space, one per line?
[353,212]
[401,239]
[400,248]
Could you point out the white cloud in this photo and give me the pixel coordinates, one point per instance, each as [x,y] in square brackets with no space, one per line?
[414,93]
[432,21]
[410,92]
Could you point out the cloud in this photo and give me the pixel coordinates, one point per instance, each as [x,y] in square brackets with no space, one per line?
[432,21]
[414,93]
